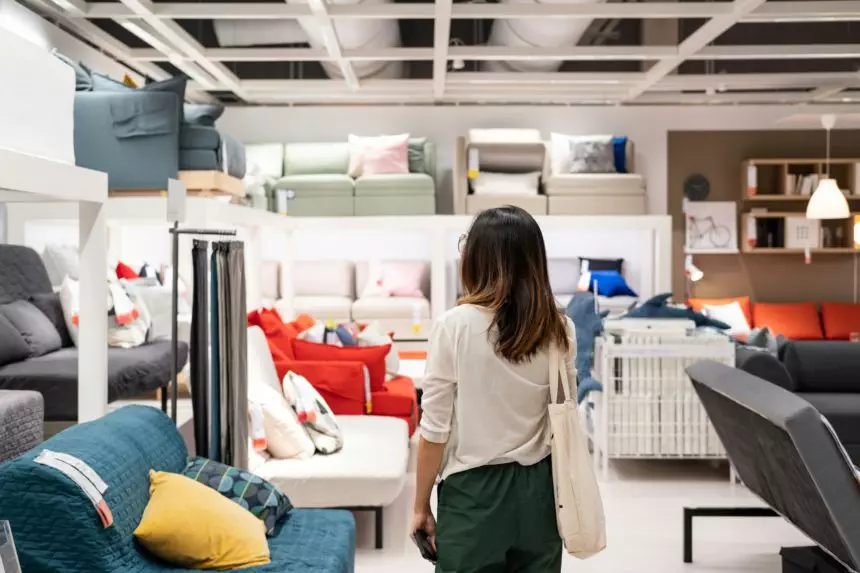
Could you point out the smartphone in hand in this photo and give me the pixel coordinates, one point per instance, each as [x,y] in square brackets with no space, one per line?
[422,540]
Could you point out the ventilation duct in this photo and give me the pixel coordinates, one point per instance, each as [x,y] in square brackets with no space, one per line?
[536,33]
[353,34]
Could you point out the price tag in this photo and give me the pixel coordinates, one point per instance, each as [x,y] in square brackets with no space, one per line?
[752,180]
[50,459]
[416,318]
[807,255]
[474,164]
[752,233]
[176,200]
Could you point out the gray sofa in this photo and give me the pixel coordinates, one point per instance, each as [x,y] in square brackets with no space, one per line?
[21,417]
[785,453]
[824,373]
[131,372]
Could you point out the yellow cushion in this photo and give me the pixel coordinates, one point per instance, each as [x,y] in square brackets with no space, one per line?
[191,525]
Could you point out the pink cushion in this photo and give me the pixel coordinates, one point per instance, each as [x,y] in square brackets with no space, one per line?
[385,154]
[402,278]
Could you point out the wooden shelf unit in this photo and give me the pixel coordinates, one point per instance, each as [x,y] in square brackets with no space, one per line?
[775,177]
[847,245]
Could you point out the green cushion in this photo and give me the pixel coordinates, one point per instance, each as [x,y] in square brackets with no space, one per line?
[317,185]
[316,158]
[416,155]
[388,205]
[405,184]
[321,207]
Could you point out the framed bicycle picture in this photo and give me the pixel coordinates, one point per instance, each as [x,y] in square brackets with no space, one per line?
[711,226]
[8,556]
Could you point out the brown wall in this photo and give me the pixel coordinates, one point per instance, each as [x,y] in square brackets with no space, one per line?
[768,278]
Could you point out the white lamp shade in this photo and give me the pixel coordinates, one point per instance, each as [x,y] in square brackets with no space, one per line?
[828,202]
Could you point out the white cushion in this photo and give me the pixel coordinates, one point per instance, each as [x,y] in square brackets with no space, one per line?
[268,157]
[616,305]
[323,278]
[373,335]
[596,184]
[61,261]
[506,183]
[286,438]
[370,470]
[504,136]
[392,307]
[732,314]
[323,307]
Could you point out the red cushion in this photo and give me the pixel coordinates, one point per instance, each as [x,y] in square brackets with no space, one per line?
[341,384]
[840,319]
[796,321]
[698,304]
[278,335]
[371,356]
[397,399]
[123,271]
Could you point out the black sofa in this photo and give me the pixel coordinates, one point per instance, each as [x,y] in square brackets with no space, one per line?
[785,453]
[824,373]
[131,372]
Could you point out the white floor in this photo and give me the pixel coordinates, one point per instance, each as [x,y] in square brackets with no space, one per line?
[644,502]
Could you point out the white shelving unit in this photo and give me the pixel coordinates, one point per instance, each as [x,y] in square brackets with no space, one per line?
[30,180]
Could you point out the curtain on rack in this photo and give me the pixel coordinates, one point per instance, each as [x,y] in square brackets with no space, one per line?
[219,353]
[199,352]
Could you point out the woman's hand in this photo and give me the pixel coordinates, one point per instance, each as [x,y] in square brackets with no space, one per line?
[423,520]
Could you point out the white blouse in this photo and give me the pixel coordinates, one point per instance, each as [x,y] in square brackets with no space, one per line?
[485,409]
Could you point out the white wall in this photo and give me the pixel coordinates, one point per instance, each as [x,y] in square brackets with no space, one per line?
[646,126]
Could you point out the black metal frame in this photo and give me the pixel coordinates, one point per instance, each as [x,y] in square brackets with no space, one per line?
[691,512]
[378,520]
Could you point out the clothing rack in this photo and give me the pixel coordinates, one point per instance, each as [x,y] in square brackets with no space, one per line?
[175,232]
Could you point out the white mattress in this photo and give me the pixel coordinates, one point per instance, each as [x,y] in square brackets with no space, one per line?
[370,470]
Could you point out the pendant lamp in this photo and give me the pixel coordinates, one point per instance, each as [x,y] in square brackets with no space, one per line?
[828,201]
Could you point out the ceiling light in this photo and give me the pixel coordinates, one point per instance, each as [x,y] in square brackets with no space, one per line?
[828,201]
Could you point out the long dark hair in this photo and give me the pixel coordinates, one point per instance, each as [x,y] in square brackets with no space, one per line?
[504,269]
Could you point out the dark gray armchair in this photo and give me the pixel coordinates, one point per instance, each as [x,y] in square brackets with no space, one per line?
[22,415]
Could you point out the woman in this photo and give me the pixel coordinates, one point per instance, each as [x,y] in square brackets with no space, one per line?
[484,428]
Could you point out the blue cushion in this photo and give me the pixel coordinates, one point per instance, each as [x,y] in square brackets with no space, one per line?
[657,307]
[610,283]
[345,336]
[619,150]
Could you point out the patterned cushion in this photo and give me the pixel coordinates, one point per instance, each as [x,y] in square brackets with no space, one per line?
[250,491]
[595,155]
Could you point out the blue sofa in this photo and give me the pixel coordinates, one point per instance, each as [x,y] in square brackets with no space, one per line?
[57,530]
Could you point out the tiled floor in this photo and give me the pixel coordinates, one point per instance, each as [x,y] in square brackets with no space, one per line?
[644,502]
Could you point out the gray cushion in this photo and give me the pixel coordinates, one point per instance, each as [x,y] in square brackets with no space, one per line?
[198,137]
[13,347]
[23,273]
[592,155]
[202,113]
[38,332]
[823,366]
[50,305]
[416,155]
[199,160]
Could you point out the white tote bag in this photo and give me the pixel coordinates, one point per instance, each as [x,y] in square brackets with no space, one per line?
[578,506]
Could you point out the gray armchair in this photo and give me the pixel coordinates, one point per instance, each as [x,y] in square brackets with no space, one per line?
[21,417]
[133,136]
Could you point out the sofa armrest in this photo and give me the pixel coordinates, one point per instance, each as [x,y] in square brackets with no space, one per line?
[132,136]
[430,159]
[345,386]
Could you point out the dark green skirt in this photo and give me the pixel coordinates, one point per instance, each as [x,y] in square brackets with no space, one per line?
[498,519]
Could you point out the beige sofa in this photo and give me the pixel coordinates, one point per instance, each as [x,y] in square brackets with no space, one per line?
[559,194]
[331,290]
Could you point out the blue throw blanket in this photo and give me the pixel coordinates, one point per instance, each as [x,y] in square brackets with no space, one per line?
[589,325]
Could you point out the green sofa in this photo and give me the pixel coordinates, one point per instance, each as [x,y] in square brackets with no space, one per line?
[316,174]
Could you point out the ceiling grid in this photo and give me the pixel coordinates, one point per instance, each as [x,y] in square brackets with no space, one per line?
[446,69]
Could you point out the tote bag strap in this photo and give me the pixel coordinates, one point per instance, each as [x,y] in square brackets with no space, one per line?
[556,366]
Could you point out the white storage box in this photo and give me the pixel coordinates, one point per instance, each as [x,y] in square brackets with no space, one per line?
[801,232]
[37,100]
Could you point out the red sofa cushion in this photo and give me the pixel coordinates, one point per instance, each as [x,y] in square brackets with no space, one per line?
[371,356]
[840,319]
[123,271]
[279,335]
[341,384]
[397,399]
[796,321]
[698,304]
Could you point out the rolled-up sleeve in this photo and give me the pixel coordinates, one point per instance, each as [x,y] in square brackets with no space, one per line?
[440,387]
[570,363]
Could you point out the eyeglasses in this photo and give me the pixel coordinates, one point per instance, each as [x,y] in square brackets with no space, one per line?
[461,242]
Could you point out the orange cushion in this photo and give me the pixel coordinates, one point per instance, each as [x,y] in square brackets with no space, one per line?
[698,304]
[840,319]
[397,399]
[796,321]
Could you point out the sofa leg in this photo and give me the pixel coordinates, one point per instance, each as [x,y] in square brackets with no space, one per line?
[379,523]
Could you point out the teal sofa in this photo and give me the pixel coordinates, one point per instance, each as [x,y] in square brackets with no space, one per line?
[57,530]
[316,174]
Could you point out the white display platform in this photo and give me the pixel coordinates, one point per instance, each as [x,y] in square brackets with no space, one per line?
[37,100]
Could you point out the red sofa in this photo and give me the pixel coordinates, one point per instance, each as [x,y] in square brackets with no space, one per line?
[351,380]
[796,321]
